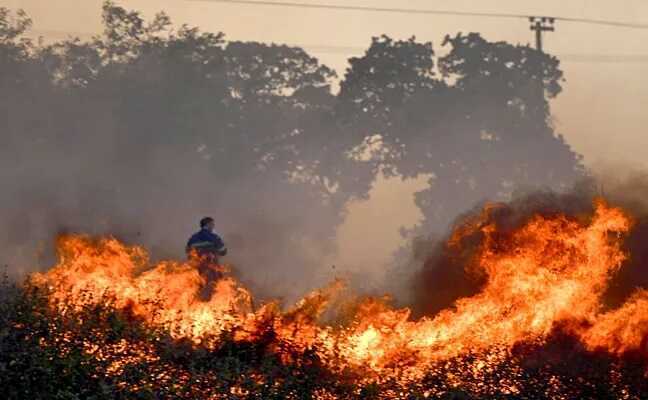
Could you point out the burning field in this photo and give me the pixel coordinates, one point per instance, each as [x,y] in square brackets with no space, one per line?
[108,323]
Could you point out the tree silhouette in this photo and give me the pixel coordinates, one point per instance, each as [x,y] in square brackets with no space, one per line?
[478,131]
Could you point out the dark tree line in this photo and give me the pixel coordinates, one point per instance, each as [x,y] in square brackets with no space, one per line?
[148,126]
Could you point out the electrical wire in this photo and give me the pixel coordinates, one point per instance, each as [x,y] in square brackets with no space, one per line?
[618,24]
[356,50]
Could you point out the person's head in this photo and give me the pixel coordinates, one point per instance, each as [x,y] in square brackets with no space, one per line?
[207,223]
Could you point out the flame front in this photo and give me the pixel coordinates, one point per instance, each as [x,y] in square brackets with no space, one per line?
[551,272]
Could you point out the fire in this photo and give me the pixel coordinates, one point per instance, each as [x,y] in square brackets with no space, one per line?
[166,294]
[549,274]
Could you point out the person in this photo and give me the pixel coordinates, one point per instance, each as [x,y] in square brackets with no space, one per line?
[205,247]
[205,241]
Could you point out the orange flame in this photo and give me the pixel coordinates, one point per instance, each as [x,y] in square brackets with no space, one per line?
[550,271]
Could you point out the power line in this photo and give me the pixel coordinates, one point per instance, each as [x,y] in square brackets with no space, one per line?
[604,58]
[580,58]
[619,24]
[352,50]
[361,8]
[572,57]
[569,57]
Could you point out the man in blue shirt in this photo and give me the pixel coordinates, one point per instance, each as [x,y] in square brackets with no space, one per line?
[205,241]
[205,248]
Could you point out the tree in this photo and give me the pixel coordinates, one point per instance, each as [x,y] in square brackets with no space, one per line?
[377,87]
[502,131]
[477,132]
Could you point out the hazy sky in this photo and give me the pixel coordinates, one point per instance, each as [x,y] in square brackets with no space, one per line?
[602,111]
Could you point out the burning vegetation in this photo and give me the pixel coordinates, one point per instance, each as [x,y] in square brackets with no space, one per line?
[105,322]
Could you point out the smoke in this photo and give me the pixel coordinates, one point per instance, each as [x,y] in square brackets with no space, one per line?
[158,206]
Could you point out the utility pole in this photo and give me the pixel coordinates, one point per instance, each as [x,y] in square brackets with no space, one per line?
[539,25]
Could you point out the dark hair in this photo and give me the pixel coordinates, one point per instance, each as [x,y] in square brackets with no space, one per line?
[205,221]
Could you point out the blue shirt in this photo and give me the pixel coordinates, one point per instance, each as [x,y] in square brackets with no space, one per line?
[206,240]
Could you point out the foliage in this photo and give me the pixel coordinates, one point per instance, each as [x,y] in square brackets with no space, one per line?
[102,352]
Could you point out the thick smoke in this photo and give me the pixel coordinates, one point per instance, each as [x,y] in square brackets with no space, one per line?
[158,206]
